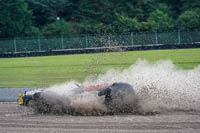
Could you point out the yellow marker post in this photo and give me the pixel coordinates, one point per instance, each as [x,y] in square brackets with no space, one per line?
[20,99]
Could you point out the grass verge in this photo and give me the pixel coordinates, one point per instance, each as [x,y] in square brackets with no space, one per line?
[48,70]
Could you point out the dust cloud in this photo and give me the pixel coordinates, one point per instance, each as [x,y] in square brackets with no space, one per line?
[159,86]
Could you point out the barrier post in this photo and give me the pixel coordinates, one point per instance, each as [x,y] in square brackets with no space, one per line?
[86,41]
[109,41]
[39,47]
[15,45]
[156,36]
[132,38]
[62,41]
[179,37]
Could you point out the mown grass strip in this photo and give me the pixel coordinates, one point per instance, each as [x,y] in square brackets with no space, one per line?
[49,70]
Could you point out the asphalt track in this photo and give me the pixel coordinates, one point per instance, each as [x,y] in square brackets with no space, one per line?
[17,119]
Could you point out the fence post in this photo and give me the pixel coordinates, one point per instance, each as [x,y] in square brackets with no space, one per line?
[131,38]
[109,41]
[86,41]
[39,46]
[15,44]
[62,41]
[179,37]
[156,36]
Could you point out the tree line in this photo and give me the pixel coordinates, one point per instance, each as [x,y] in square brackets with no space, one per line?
[55,17]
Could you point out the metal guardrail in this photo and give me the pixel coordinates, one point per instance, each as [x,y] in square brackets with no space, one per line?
[63,42]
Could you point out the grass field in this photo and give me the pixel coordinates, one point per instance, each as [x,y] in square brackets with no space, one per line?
[45,71]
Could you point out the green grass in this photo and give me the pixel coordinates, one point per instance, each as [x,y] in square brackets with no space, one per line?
[49,70]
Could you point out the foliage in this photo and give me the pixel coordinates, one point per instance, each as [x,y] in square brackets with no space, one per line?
[33,31]
[57,28]
[15,18]
[159,21]
[189,20]
[33,17]
[190,4]
[127,24]
[46,11]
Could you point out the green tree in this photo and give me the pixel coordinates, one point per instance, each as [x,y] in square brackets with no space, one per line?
[175,7]
[189,5]
[47,11]
[96,11]
[15,18]
[59,27]
[158,21]
[189,20]
[96,16]
[139,9]
[127,24]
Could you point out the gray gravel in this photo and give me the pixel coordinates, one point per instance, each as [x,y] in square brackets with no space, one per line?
[18,119]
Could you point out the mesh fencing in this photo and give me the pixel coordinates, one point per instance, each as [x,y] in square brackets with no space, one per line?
[42,43]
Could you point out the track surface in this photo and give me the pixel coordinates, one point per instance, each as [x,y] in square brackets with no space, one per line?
[14,118]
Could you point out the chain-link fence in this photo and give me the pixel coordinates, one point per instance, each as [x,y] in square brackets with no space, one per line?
[41,43]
